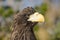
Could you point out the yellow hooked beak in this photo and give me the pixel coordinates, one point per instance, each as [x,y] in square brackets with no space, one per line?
[36,17]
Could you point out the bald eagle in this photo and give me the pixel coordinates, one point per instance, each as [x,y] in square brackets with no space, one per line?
[24,22]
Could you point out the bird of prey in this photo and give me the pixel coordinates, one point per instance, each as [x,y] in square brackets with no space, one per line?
[24,22]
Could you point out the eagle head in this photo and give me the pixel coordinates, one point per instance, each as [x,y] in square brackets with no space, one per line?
[28,16]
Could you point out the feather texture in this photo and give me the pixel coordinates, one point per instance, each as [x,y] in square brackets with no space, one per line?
[23,29]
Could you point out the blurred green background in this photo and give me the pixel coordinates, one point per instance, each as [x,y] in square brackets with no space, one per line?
[49,8]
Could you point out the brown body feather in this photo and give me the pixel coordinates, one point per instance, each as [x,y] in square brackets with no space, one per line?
[23,29]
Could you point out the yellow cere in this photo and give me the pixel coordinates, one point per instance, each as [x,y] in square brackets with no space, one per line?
[36,17]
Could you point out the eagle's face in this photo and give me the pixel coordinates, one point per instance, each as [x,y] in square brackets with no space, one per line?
[36,17]
[28,17]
